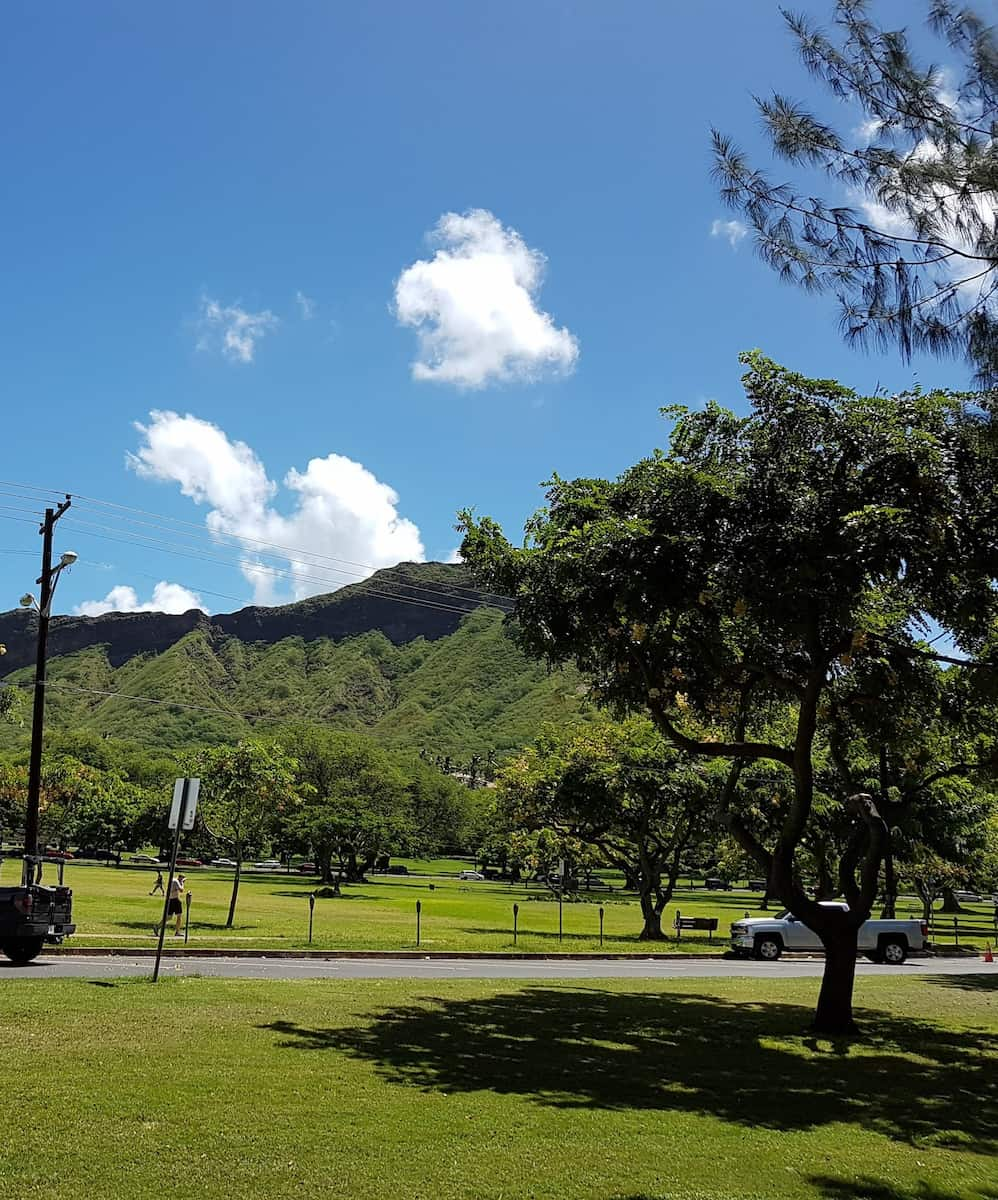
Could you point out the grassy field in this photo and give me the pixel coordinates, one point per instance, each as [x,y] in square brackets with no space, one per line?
[113,907]
[686,1090]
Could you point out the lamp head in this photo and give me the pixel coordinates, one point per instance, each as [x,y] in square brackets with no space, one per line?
[68,558]
[27,600]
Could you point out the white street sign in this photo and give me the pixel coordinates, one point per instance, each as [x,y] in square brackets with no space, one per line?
[193,787]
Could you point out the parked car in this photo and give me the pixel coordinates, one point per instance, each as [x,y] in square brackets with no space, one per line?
[268,864]
[471,875]
[881,941]
[967,897]
[223,862]
[147,859]
[717,885]
[59,854]
[397,869]
[307,868]
[189,862]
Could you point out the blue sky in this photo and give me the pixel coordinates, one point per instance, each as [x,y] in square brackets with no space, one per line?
[208,208]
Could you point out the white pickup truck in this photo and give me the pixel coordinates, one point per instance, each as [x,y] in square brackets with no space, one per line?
[882,941]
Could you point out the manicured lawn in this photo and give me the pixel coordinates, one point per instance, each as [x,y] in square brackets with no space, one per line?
[112,906]
[687,1090]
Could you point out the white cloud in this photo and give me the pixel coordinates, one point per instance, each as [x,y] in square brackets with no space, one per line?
[734,231]
[340,509]
[232,329]
[866,131]
[474,305]
[454,556]
[306,306]
[166,598]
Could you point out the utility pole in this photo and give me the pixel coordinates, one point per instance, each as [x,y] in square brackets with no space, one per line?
[46,582]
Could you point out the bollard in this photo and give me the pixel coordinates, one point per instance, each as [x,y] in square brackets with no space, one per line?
[601,926]
[516,913]
[311,911]
[187,922]
[419,909]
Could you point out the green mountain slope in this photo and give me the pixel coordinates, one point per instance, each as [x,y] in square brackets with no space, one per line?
[468,692]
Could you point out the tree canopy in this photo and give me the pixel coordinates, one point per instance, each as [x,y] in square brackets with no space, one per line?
[907,235]
[733,585]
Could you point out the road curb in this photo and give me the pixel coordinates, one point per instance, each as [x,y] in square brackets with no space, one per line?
[326,955]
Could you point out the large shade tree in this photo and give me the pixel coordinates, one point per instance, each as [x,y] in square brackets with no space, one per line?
[727,586]
[618,788]
[906,232]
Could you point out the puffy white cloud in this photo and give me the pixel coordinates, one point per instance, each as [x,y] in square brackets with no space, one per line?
[454,556]
[734,231]
[232,329]
[306,306]
[340,510]
[474,305]
[166,598]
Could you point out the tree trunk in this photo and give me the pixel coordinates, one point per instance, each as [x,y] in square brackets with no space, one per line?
[235,888]
[834,1013]
[950,903]
[652,914]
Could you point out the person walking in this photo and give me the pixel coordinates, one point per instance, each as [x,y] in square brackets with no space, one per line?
[158,885]
[174,905]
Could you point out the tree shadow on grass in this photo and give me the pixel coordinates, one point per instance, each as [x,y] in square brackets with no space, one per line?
[868,1188]
[745,1063]
[966,983]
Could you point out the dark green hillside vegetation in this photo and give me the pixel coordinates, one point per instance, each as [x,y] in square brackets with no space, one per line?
[457,690]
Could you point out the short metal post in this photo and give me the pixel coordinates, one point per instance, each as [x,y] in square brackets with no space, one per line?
[187,920]
[419,909]
[516,913]
[956,931]
[561,891]
[679,926]
[311,913]
[601,925]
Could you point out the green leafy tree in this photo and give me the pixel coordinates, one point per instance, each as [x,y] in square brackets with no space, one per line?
[244,790]
[620,789]
[725,586]
[907,238]
[354,804]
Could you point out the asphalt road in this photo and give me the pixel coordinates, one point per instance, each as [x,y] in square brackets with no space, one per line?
[483,968]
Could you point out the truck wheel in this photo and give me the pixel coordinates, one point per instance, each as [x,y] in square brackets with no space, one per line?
[23,950]
[768,949]
[893,951]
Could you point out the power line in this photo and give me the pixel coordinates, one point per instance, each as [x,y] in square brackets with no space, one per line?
[162,522]
[89,529]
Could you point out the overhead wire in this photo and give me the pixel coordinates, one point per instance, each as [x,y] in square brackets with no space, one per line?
[435,598]
[272,549]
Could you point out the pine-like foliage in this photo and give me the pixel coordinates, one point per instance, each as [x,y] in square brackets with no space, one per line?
[909,241]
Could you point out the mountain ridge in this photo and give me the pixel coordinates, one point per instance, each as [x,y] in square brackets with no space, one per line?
[441,674]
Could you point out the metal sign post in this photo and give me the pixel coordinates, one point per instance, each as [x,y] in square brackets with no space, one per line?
[419,909]
[601,925]
[187,922]
[185,798]
[311,910]
[516,913]
[561,893]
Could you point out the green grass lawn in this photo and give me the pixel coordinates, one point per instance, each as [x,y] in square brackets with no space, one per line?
[112,907]
[443,1090]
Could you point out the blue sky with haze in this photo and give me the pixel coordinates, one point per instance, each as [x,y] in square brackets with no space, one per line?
[236,216]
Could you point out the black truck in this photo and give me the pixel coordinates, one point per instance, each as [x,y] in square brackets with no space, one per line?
[33,915]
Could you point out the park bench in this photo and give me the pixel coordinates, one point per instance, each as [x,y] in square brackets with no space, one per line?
[708,923]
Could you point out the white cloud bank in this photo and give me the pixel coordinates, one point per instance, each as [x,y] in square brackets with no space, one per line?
[474,306]
[340,509]
[232,330]
[306,306]
[166,598]
[734,231]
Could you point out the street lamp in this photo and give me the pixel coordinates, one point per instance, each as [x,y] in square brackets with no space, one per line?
[43,606]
